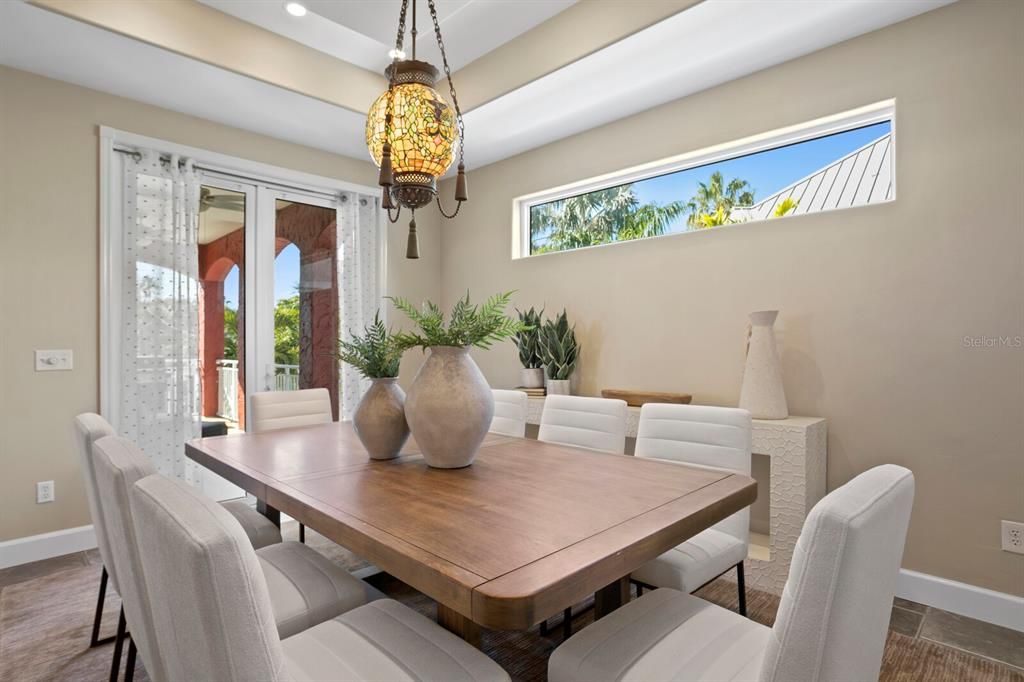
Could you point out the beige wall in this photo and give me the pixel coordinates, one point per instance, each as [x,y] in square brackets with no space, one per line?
[875,301]
[49,291]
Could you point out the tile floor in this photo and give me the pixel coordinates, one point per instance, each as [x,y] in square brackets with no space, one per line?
[909,618]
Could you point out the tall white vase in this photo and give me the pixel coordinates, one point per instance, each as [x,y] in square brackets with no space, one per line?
[762,394]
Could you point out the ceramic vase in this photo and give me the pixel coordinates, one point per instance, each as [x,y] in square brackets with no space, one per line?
[559,387]
[449,407]
[532,377]
[762,393]
[380,419]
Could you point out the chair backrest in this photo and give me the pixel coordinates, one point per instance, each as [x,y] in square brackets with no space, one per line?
[835,608]
[713,437]
[273,410]
[594,423]
[509,413]
[119,464]
[89,428]
[215,620]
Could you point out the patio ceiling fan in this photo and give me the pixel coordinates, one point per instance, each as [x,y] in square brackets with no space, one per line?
[225,202]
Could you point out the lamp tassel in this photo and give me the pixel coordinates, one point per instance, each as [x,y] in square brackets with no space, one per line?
[461,193]
[413,248]
[385,198]
[386,179]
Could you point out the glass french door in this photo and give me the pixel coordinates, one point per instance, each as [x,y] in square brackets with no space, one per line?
[269,304]
[299,303]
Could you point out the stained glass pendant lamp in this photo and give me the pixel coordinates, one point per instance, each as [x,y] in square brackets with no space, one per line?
[413,134]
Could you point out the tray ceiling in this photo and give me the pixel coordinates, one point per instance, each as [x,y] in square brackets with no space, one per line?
[711,42]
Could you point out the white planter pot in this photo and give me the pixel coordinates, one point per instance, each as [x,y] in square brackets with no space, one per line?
[379,420]
[449,408]
[559,387]
[531,378]
[762,393]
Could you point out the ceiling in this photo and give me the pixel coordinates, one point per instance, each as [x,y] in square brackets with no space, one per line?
[221,213]
[363,31]
[710,43]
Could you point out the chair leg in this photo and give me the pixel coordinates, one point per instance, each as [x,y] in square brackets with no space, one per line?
[302,533]
[97,620]
[115,665]
[567,623]
[544,628]
[129,668]
[741,588]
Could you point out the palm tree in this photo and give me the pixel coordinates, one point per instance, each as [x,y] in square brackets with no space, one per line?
[714,201]
[598,217]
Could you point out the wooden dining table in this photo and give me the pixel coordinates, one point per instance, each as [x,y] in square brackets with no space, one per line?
[527,530]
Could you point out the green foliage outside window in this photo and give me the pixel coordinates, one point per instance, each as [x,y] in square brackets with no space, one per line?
[286,331]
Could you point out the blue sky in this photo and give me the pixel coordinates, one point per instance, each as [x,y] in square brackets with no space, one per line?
[767,172]
[286,277]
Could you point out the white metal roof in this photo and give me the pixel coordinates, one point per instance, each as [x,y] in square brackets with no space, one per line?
[863,176]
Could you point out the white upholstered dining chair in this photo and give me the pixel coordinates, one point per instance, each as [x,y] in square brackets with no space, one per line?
[592,423]
[272,410]
[712,437]
[509,413]
[216,621]
[831,623]
[304,587]
[90,427]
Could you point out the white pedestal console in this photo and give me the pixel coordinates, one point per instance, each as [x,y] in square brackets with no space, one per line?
[797,450]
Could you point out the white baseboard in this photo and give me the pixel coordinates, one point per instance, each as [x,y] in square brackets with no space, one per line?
[46,545]
[967,600]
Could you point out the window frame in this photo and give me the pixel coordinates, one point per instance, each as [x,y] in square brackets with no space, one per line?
[860,117]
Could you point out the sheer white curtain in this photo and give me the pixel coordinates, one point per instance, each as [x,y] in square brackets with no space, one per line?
[159,382]
[360,245]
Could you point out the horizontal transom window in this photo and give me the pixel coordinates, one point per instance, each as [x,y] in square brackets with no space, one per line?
[837,162]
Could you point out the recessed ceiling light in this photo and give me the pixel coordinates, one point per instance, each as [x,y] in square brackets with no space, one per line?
[395,53]
[295,9]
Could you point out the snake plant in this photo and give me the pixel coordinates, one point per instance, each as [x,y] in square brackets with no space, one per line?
[528,339]
[559,349]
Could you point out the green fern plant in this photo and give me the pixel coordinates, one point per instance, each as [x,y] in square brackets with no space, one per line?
[468,325]
[558,346]
[528,340]
[377,354]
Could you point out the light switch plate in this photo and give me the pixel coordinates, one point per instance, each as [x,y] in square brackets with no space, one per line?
[54,360]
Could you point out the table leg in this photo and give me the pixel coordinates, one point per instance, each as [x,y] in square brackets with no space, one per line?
[270,512]
[455,622]
[611,597]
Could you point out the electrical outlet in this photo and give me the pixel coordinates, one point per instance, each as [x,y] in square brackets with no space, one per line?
[45,492]
[1013,537]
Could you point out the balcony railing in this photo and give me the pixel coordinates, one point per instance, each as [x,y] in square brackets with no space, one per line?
[286,378]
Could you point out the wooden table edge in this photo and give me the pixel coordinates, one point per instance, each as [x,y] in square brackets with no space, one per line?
[495,607]
[429,573]
[250,480]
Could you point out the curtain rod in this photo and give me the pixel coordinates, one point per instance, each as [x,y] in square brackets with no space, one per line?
[166,158]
